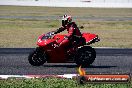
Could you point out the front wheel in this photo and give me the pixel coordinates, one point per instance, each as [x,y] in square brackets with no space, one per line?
[85,56]
[37,57]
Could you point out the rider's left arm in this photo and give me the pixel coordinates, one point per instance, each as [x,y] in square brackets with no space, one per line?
[59,30]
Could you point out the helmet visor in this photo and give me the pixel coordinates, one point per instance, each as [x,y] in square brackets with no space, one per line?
[64,22]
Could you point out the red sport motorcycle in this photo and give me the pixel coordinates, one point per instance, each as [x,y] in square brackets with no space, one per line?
[49,51]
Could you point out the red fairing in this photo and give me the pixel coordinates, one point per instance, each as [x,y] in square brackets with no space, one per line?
[89,37]
[59,38]
[49,45]
[42,43]
[49,42]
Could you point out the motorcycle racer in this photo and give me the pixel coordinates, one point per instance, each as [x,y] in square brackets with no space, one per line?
[63,48]
[74,33]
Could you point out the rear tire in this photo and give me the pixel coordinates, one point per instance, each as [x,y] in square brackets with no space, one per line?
[85,56]
[37,57]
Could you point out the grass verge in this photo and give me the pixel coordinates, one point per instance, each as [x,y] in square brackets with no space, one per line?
[17,33]
[59,11]
[56,83]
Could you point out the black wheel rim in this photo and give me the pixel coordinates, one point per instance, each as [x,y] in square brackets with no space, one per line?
[85,56]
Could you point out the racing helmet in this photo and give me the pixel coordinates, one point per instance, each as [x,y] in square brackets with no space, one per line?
[66,19]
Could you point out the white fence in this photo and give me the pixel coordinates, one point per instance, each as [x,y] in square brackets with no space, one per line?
[71,3]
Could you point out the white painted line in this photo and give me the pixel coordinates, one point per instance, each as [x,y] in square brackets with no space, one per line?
[68,76]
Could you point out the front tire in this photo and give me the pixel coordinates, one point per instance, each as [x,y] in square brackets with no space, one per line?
[85,56]
[37,57]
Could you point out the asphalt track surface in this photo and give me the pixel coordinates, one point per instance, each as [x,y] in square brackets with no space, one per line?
[13,61]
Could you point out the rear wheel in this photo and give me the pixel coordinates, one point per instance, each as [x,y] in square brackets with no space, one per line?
[85,56]
[37,57]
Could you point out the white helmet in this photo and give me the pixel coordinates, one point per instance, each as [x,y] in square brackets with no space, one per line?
[66,19]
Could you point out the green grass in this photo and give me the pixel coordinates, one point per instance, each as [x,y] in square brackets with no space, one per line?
[15,33]
[56,83]
[24,33]
[59,11]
